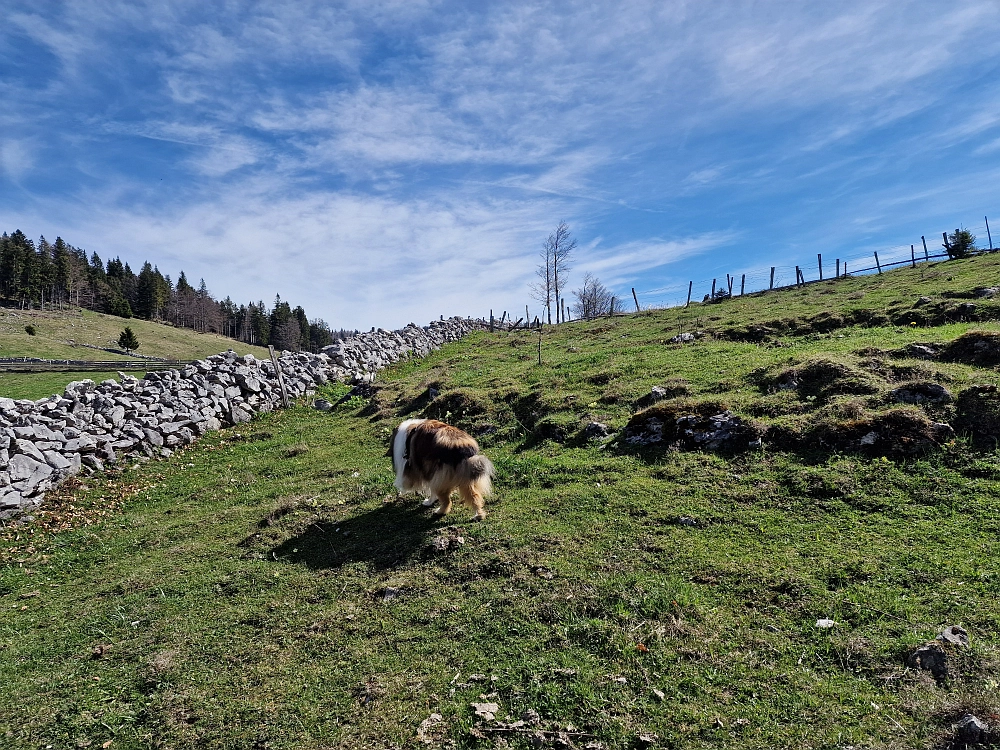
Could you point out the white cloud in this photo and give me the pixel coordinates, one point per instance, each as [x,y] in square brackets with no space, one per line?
[380,159]
[16,158]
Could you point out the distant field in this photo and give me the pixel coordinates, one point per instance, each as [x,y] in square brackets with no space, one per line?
[58,334]
[38,385]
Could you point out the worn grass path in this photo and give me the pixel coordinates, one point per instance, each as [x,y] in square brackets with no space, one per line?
[265,589]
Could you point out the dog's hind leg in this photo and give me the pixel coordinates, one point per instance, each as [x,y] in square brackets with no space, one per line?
[473,500]
[444,500]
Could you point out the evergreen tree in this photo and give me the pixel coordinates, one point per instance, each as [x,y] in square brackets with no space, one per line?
[61,270]
[118,305]
[303,323]
[280,336]
[319,335]
[128,340]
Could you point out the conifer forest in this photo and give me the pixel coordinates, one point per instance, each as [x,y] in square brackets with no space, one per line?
[56,274]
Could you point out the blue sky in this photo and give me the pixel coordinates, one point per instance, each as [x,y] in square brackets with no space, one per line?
[382,162]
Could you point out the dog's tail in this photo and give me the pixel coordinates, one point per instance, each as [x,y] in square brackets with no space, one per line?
[479,473]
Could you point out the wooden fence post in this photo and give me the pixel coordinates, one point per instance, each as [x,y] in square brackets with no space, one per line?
[797,274]
[924,240]
[913,257]
[743,283]
[838,268]
[772,278]
[636,300]
[845,268]
[877,264]
[491,321]
[713,291]
[988,235]
[730,280]
[947,247]
[819,260]
[690,285]
[281,380]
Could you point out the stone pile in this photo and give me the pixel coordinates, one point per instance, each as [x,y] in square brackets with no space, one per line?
[91,425]
[366,353]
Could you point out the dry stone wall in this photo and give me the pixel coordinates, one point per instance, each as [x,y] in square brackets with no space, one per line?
[92,425]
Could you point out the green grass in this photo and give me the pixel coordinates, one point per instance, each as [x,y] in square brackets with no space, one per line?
[236,593]
[36,385]
[59,333]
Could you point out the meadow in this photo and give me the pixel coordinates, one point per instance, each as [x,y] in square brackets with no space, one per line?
[265,587]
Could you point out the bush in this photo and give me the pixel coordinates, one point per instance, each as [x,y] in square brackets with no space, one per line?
[30,330]
[961,243]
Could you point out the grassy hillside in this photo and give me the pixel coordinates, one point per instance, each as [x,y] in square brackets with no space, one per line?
[59,333]
[265,588]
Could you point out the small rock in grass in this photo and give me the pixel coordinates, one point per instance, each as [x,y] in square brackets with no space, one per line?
[486,711]
[321,404]
[532,717]
[390,593]
[971,730]
[659,695]
[956,635]
[825,623]
[596,431]
[425,732]
[931,657]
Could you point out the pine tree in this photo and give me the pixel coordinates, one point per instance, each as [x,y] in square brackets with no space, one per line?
[146,293]
[128,340]
[61,269]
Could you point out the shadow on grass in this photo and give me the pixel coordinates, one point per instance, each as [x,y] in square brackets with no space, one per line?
[384,538]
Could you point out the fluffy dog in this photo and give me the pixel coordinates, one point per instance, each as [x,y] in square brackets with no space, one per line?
[436,459]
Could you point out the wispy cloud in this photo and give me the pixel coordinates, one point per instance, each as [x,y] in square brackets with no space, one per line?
[380,160]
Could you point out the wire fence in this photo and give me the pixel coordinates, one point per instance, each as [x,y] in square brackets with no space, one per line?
[748,281]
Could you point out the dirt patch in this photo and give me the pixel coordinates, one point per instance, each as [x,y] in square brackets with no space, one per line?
[918,350]
[528,409]
[980,348]
[978,415]
[896,433]
[827,321]
[670,388]
[819,379]
[460,407]
[865,317]
[921,392]
[683,424]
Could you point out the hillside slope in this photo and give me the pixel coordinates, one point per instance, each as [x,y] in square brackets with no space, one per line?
[71,334]
[749,559]
[59,334]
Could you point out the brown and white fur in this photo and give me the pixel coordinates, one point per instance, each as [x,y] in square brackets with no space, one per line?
[435,459]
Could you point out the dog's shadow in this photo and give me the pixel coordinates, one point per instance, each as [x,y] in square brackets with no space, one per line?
[384,538]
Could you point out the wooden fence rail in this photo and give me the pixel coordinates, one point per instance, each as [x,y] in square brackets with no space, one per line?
[72,365]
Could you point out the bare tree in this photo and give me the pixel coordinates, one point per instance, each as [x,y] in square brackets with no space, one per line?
[592,299]
[556,253]
[541,290]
